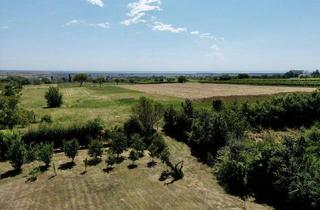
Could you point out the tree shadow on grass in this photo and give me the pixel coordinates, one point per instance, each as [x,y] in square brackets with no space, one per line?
[108,169]
[10,173]
[94,161]
[67,166]
[132,166]
[151,164]
[119,159]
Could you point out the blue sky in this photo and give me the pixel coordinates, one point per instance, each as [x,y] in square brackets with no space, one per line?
[160,35]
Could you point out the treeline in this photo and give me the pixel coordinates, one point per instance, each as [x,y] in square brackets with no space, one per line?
[217,137]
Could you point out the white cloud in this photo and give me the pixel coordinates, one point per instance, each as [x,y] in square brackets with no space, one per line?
[105,25]
[96,2]
[194,32]
[139,9]
[159,26]
[4,27]
[135,20]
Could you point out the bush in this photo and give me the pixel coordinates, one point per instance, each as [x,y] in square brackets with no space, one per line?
[5,139]
[182,79]
[71,148]
[46,119]
[55,134]
[95,149]
[53,97]
[17,152]
[44,152]
[157,146]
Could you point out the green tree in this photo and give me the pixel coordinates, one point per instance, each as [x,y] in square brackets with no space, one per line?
[11,114]
[111,160]
[158,113]
[138,144]
[44,152]
[17,152]
[53,97]
[71,148]
[118,142]
[133,156]
[95,149]
[100,80]
[145,112]
[182,79]
[157,146]
[81,78]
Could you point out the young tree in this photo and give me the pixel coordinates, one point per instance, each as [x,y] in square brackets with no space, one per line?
[100,80]
[158,113]
[81,78]
[17,152]
[95,149]
[144,111]
[71,148]
[53,97]
[118,142]
[138,144]
[44,152]
[157,147]
[133,156]
[111,160]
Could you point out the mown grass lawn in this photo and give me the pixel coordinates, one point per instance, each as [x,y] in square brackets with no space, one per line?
[122,188]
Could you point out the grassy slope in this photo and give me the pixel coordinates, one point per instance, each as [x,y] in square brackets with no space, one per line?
[122,188]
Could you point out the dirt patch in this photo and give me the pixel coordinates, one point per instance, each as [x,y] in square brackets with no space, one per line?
[199,91]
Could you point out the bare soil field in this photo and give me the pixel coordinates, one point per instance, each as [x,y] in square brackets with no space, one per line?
[200,91]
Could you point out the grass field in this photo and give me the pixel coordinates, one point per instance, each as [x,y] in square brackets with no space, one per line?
[121,188]
[111,103]
[303,82]
[200,91]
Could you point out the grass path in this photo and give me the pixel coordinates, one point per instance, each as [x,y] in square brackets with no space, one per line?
[122,188]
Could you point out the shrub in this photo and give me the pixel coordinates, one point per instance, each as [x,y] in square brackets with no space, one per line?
[17,151]
[71,148]
[111,160]
[46,119]
[53,97]
[95,149]
[5,138]
[44,152]
[182,79]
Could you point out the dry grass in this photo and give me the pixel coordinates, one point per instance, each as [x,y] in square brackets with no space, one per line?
[199,91]
[122,188]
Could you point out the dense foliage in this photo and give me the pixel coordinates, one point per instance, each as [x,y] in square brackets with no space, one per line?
[11,114]
[95,149]
[55,134]
[44,153]
[17,152]
[291,110]
[53,97]
[278,171]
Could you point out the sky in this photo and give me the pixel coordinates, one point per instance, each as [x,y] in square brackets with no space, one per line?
[160,35]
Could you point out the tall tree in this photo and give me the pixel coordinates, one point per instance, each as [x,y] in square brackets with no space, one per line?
[81,78]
